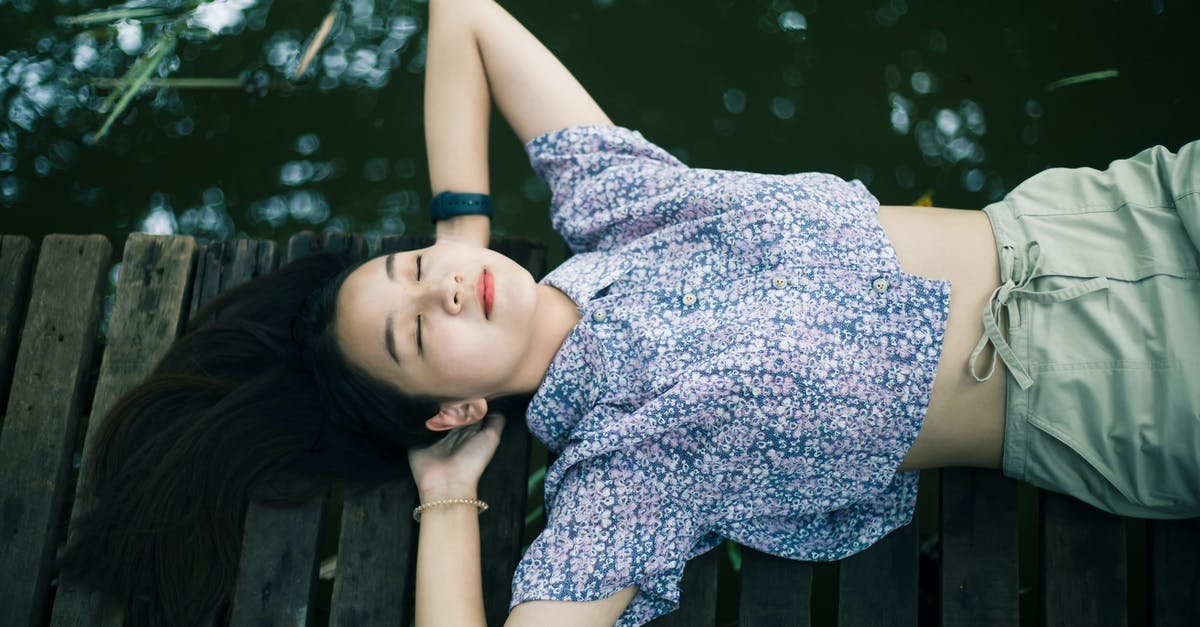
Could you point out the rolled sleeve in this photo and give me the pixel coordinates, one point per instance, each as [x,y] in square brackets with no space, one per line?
[599,177]
[611,526]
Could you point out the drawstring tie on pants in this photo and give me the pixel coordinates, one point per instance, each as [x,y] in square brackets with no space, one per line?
[1016,272]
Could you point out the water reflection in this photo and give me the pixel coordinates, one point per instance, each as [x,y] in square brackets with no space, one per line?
[889,13]
[793,21]
[210,220]
[923,82]
[220,16]
[904,96]
[46,83]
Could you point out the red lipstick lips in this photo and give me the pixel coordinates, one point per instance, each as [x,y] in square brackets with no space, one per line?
[486,292]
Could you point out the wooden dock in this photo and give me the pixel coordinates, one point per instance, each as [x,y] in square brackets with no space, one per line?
[57,378]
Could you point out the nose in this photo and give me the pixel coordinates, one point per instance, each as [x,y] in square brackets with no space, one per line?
[448,293]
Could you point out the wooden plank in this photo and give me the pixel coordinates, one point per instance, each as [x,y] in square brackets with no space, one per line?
[378,536]
[16,263]
[775,591]
[1083,564]
[1175,572]
[861,598]
[979,577]
[277,572]
[153,291]
[352,245]
[42,424]
[376,545]
[301,244]
[278,563]
[207,281]
[697,595]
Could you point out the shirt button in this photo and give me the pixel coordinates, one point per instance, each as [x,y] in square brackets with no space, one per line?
[779,282]
[599,316]
[689,299]
[880,285]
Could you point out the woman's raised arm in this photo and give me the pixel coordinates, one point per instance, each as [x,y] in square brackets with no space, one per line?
[476,49]
[533,90]
[457,106]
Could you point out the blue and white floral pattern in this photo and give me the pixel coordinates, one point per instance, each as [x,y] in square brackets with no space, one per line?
[751,364]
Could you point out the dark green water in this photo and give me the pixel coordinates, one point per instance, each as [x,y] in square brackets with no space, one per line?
[960,100]
[907,96]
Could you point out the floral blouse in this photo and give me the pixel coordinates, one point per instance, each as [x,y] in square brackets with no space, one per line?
[751,364]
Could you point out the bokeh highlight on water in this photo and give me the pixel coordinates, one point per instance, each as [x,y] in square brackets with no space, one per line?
[932,99]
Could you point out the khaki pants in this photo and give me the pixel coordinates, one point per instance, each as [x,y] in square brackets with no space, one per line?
[1100,311]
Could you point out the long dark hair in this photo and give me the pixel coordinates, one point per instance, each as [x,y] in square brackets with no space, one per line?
[254,401]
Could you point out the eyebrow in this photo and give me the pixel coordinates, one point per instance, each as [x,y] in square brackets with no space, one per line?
[389,335]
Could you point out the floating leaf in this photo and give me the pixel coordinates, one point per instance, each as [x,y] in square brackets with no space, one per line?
[926,199]
[318,40]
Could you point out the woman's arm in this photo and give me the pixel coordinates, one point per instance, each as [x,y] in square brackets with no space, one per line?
[457,107]
[533,90]
[449,585]
[476,49]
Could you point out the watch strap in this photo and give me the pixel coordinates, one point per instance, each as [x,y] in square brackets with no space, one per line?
[450,204]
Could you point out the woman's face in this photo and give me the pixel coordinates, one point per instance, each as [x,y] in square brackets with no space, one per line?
[442,344]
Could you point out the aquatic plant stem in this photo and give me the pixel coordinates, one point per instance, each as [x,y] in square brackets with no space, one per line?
[140,73]
[1082,78]
[171,83]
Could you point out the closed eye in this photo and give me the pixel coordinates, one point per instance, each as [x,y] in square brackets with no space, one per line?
[420,347]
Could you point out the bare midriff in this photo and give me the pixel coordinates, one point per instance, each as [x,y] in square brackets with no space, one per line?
[964,423]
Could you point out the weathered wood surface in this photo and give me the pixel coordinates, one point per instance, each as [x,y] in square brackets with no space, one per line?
[979,578]
[42,422]
[373,583]
[1083,570]
[278,564]
[148,310]
[861,598]
[1174,554]
[775,591]
[697,595]
[16,262]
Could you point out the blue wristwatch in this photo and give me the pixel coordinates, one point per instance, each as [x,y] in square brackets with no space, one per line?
[450,204]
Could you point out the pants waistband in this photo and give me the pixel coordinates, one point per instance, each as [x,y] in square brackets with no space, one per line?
[1016,271]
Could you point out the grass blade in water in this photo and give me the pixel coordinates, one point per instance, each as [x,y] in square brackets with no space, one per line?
[140,74]
[99,17]
[172,83]
[1081,78]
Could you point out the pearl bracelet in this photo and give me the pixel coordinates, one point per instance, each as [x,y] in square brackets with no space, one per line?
[424,506]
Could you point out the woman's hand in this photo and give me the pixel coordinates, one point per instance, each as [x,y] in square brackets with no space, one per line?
[451,467]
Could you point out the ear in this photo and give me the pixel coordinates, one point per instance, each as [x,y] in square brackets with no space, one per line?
[458,414]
